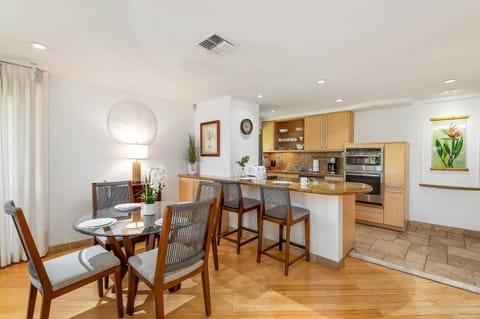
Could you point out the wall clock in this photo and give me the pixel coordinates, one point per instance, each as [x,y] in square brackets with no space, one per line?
[246,126]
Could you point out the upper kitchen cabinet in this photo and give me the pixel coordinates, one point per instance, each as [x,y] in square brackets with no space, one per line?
[328,132]
[268,135]
[289,134]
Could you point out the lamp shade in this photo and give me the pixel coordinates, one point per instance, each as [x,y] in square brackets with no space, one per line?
[137,151]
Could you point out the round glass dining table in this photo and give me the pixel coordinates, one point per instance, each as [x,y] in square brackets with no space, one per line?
[123,223]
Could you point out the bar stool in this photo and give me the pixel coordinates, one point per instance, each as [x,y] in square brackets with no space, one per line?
[233,201]
[276,208]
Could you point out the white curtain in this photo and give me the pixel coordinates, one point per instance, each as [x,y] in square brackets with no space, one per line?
[23,156]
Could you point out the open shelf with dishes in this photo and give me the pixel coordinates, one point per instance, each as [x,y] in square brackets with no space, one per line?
[289,135]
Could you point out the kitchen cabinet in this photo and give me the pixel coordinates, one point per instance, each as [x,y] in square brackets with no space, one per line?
[288,134]
[328,132]
[396,184]
[268,135]
[188,189]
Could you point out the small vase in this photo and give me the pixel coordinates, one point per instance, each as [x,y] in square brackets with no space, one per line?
[192,168]
[148,209]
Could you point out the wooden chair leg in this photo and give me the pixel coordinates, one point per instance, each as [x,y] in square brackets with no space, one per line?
[260,239]
[307,238]
[219,226]
[287,249]
[239,231]
[214,251]
[118,292]
[132,291]
[46,302]
[100,287]
[106,279]
[32,297]
[159,308]
[280,237]
[206,291]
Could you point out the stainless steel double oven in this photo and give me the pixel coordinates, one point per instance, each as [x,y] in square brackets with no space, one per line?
[365,165]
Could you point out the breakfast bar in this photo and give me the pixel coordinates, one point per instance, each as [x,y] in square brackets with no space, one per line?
[332,213]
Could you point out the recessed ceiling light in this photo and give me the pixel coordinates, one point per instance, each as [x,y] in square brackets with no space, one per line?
[259,96]
[273,111]
[339,100]
[322,81]
[448,81]
[38,45]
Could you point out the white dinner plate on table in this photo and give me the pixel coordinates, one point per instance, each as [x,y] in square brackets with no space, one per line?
[98,222]
[245,178]
[127,206]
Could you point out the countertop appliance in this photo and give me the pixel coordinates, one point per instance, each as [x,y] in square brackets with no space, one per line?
[315,166]
[365,165]
[332,165]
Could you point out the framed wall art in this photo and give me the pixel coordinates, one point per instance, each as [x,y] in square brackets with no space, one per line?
[210,138]
[449,143]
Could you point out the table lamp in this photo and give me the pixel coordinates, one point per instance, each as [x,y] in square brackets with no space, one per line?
[137,152]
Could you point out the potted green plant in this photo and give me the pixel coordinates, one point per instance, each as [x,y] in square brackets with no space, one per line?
[192,154]
[242,162]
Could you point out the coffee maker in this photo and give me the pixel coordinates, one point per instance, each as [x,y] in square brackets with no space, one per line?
[332,165]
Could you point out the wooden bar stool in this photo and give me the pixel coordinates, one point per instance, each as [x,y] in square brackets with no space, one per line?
[276,208]
[233,201]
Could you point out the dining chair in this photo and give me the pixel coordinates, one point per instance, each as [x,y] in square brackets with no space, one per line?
[57,276]
[212,190]
[182,253]
[234,201]
[276,208]
[109,194]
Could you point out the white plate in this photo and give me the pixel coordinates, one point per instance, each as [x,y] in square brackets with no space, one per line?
[98,222]
[283,183]
[245,178]
[127,206]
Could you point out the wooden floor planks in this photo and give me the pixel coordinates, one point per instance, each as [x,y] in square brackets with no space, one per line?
[244,289]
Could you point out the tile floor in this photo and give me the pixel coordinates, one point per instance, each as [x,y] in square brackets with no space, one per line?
[445,254]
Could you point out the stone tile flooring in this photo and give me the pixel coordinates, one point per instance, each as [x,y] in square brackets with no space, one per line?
[444,254]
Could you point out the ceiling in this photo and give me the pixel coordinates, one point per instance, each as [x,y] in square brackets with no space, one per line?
[373,53]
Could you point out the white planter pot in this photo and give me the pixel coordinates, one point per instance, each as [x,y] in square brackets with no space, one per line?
[192,169]
[148,209]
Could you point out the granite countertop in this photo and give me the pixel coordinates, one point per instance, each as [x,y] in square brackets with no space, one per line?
[320,187]
[306,173]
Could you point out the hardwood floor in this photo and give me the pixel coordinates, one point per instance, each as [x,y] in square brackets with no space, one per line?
[244,289]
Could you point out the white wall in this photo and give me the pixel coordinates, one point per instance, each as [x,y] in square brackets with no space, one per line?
[233,145]
[244,144]
[82,151]
[457,208]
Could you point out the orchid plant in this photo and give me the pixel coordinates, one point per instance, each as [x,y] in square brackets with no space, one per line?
[448,148]
[155,182]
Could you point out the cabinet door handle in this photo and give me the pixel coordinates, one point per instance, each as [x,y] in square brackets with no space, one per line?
[370,210]
[394,185]
[393,191]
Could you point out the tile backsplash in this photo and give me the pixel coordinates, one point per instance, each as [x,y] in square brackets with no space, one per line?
[294,162]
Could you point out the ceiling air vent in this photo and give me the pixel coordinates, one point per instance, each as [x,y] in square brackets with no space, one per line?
[217,44]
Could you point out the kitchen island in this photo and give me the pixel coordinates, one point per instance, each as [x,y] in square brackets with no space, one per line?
[332,213]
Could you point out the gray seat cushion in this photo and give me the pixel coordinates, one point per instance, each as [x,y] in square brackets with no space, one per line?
[146,262]
[280,212]
[247,203]
[65,270]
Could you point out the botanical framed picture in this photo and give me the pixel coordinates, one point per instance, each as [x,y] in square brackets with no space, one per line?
[449,143]
[210,138]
